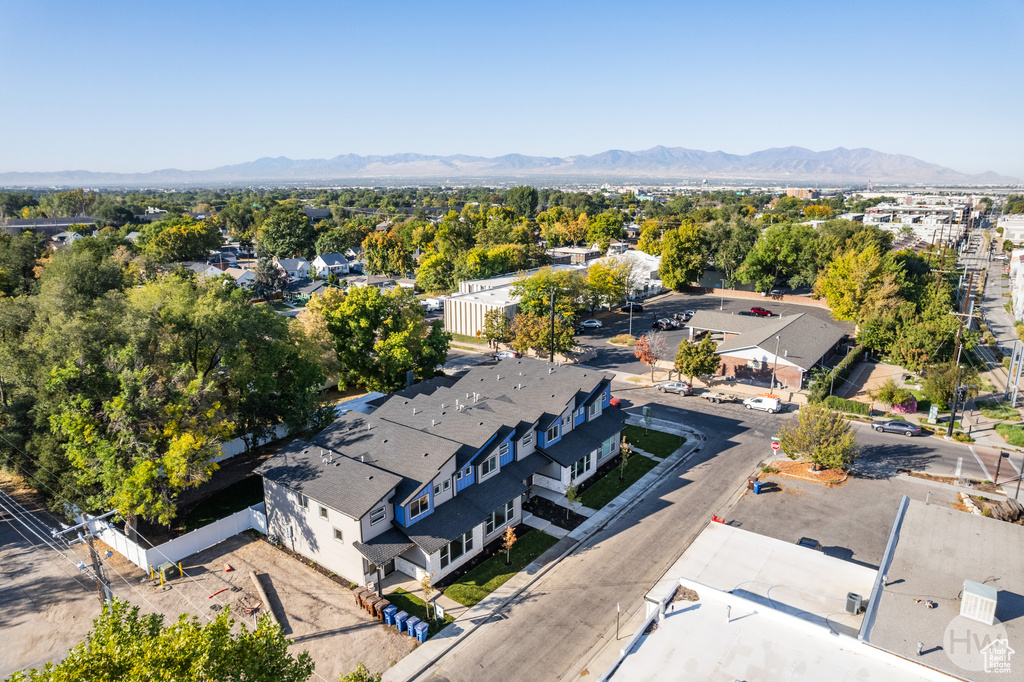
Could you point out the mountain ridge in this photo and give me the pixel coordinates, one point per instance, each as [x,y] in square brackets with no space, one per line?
[776,164]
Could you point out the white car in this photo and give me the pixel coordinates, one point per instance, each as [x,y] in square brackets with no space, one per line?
[766,403]
[591,324]
[507,354]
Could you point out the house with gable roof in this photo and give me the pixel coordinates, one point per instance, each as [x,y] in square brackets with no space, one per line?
[328,263]
[425,481]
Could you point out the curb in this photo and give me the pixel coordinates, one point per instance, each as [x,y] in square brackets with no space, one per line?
[596,523]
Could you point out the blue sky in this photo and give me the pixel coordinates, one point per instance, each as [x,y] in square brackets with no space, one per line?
[139,86]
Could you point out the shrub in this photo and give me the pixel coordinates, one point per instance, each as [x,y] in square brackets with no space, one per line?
[844,405]
[837,374]
[961,437]
[624,339]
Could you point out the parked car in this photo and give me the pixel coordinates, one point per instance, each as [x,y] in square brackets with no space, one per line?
[591,324]
[899,426]
[665,323]
[775,292]
[765,403]
[615,402]
[635,307]
[506,354]
[689,313]
[761,312]
[680,387]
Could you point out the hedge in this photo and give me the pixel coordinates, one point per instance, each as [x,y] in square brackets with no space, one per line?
[838,374]
[844,405]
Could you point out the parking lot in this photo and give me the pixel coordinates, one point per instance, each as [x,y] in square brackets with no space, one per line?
[851,521]
[621,359]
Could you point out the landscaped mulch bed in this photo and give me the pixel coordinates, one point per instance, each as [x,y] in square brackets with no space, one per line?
[801,470]
[549,511]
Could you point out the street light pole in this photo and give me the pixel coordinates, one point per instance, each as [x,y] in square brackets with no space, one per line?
[775,365]
[721,303]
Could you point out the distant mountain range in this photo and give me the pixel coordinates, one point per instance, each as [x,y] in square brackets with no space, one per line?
[778,165]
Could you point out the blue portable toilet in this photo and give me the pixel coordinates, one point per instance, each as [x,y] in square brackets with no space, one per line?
[410,625]
[757,487]
[421,631]
[400,619]
[389,614]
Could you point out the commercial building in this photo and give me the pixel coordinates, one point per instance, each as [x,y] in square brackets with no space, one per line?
[423,483]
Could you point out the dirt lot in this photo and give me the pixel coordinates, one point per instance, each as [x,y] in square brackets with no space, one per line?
[316,613]
[46,605]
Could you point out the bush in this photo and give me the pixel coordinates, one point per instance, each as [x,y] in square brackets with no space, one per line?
[624,340]
[837,374]
[961,437]
[844,405]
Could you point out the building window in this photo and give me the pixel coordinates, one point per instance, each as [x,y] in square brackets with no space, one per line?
[456,548]
[503,449]
[437,489]
[580,467]
[377,515]
[338,536]
[446,485]
[606,447]
[458,475]
[323,512]
[419,506]
[500,516]
[528,438]
[489,465]
[595,409]
[304,502]
[552,433]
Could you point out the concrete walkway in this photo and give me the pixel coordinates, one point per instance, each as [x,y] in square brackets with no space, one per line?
[563,502]
[544,526]
[413,587]
[413,665]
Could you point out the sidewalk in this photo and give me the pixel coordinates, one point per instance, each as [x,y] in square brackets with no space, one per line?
[427,654]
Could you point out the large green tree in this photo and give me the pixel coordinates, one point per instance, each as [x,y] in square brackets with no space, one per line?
[697,359]
[821,436]
[534,292]
[184,239]
[286,233]
[129,647]
[534,331]
[385,254]
[682,256]
[522,200]
[784,253]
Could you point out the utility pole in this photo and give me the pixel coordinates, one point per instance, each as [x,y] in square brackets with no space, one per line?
[778,339]
[721,300]
[956,394]
[552,358]
[102,586]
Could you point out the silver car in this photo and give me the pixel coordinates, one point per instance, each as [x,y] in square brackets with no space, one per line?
[680,387]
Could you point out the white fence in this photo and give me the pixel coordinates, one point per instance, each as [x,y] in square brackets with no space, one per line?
[237,446]
[177,549]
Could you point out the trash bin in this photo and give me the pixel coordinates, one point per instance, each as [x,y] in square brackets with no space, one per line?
[379,607]
[370,600]
[410,625]
[421,631]
[757,487]
[389,614]
[751,480]
[400,619]
[359,594]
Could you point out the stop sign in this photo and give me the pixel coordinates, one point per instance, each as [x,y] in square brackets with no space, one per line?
[775,445]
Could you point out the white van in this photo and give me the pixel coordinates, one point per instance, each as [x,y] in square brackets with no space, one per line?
[765,403]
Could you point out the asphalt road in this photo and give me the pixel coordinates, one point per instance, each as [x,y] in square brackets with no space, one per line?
[555,623]
[622,359]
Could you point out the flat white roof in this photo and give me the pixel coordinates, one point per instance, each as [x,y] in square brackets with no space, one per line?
[766,610]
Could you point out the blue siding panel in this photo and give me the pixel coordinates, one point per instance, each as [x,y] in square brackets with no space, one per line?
[405,510]
[580,418]
[505,459]
[466,480]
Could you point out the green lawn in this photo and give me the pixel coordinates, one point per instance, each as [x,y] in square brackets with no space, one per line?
[465,338]
[608,487]
[997,409]
[1013,435]
[657,443]
[225,502]
[923,404]
[493,573]
[415,606]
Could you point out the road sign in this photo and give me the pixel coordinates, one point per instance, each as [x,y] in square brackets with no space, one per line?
[775,445]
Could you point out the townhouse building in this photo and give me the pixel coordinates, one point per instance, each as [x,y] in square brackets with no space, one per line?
[423,483]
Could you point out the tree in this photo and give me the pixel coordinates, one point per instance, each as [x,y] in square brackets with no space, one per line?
[1007,246]
[268,279]
[783,252]
[508,539]
[534,292]
[497,327]
[427,586]
[572,230]
[183,239]
[360,674]
[697,359]
[856,283]
[650,238]
[821,436]
[522,200]
[386,254]
[130,647]
[606,284]
[286,233]
[625,452]
[605,227]
[534,331]
[333,240]
[651,348]
[572,496]
[436,273]
[682,257]
[380,336]
[940,381]
[729,244]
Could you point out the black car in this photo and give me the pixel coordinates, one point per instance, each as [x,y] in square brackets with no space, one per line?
[898,426]
[635,307]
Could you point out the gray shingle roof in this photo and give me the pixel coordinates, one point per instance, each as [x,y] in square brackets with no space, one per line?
[414,456]
[727,322]
[348,485]
[332,259]
[586,437]
[291,263]
[385,547]
[803,339]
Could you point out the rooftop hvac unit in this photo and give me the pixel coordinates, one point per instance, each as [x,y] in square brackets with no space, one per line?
[979,602]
